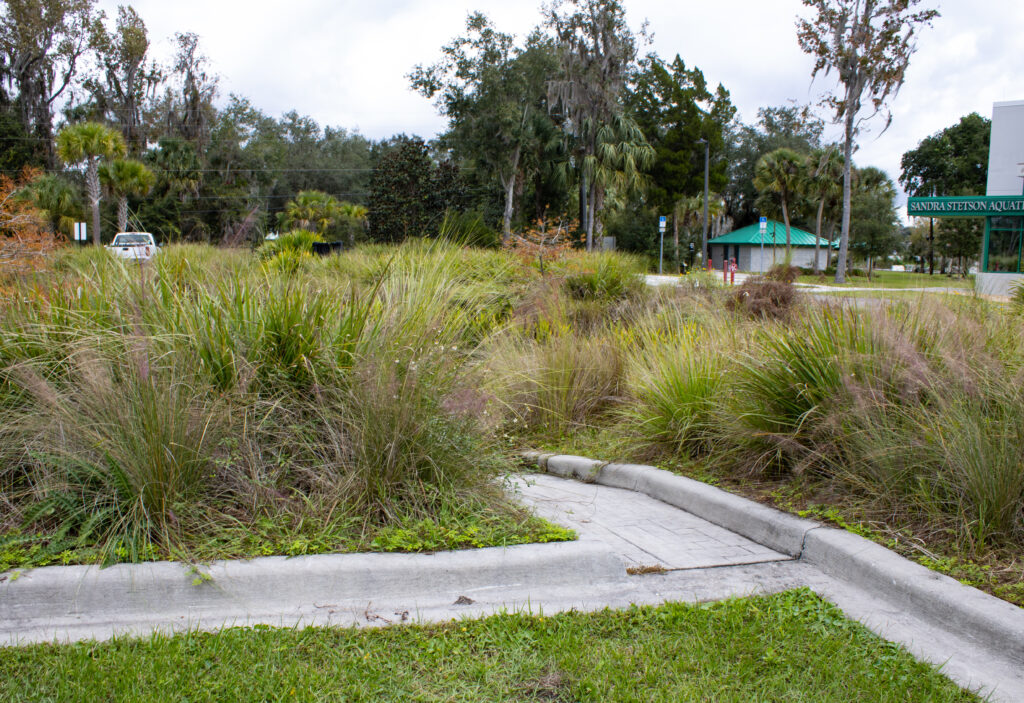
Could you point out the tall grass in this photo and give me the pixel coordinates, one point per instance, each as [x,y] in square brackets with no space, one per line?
[676,381]
[143,407]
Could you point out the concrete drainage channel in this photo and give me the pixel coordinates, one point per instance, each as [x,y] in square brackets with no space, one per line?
[978,639]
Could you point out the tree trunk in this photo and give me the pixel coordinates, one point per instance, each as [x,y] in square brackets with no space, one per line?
[510,187]
[122,213]
[789,239]
[585,210]
[591,211]
[675,235]
[92,178]
[844,236]
[817,237]
[597,223]
[931,246]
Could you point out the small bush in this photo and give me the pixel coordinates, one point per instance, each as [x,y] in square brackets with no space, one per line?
[293,244]
[1017,296]
[561,383]
[764,299]
[783,273]
[611,279]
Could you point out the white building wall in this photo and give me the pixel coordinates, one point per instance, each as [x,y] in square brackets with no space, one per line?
[1006,149]
[1005,159]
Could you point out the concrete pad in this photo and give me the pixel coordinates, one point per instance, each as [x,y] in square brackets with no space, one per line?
[643,531]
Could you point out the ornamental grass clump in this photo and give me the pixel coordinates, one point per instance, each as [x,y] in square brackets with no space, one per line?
[108,453]
[675,388]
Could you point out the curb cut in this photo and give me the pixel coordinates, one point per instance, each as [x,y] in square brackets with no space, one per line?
[52,598]
[986,620]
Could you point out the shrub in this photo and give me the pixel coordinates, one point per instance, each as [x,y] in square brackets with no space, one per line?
[295,243]
[468,229]
[1017,296]
[765,299]
[116,450]
[790,381]
[783,273]
[611,279]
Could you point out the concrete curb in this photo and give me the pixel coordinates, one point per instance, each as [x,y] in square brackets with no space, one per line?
[985,620]
[53,597]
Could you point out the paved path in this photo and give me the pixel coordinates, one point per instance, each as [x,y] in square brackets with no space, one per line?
[644,532]
[653,279]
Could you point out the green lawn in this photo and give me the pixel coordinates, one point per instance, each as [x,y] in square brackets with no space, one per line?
[895,279]
[787,647]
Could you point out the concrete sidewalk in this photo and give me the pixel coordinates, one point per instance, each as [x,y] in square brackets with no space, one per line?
[642,531]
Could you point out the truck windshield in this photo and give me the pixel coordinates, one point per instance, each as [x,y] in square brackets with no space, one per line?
[126,239]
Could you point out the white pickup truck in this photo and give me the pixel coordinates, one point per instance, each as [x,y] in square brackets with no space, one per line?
[138,246]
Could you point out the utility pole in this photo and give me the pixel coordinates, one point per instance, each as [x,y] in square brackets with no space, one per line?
[704,227]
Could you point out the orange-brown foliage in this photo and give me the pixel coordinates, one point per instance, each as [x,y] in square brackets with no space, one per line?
[545,241]
[25,240]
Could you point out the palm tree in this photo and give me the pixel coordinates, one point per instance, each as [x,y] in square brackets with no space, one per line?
[823,183]
[312,210]
[90,142]
[620,157]
[57,200]
[780,172]
[122,178]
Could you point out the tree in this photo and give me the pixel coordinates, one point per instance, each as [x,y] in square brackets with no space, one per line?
[123,178]
[90,142]
[960,238]
[56,200]
[674,108]
[126,78]
[953,161]
[408,194]
[312,210]
[191,112]
[790,127]
[42,43]
[781,172]
[596,53]
[823,184]
[868,43]
[494,95]
[875,232]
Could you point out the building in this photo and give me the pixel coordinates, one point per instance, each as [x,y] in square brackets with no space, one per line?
[757,253]
[1002,206]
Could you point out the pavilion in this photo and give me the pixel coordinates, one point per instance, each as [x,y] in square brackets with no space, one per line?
[757,253]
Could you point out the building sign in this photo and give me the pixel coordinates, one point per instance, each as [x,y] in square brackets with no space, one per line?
[967,206]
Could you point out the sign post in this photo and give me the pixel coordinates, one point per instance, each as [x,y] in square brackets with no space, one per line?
[81,232]
[763,228]
[662,222]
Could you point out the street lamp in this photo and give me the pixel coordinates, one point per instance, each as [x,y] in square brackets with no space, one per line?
[704,226]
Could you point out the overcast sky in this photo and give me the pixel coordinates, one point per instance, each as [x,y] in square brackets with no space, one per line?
[344,62]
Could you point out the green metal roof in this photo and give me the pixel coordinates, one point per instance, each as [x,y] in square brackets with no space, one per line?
[774,236]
